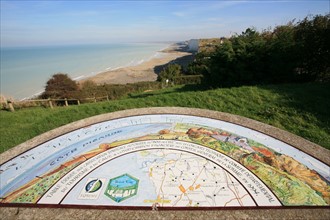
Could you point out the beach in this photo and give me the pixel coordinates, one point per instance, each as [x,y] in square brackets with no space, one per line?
[146,71]
[25,71]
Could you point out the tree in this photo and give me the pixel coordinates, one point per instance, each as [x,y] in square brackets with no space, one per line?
[295,52]
[221,65]
[237,61]
[313,41]
[60,86]
[170,72]
[282,55]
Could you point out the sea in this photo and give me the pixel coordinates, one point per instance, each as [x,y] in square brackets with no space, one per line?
[25,70]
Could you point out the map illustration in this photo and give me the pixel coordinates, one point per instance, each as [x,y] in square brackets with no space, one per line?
[168,160]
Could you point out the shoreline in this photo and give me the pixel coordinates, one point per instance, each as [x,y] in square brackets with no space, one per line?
[146,71]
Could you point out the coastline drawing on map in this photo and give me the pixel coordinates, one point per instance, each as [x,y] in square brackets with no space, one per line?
[171,160]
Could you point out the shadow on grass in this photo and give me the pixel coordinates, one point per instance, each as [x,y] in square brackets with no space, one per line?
[313,98]
[310,98]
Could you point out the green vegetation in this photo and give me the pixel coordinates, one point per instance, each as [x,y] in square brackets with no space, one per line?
[298,108]
[292,53]
[62,86]
[296,52]
[175,74]
[169,72]
[89,89]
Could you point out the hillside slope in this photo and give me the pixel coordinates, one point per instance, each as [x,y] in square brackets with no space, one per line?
[301,109]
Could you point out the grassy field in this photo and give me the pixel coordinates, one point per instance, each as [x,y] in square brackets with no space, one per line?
[302,109]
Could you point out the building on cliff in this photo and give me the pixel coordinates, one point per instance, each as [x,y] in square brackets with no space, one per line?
[193,45]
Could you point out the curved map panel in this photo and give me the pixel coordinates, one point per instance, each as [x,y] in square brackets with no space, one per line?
[165,160]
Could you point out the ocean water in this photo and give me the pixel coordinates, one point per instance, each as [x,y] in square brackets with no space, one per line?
[25,71]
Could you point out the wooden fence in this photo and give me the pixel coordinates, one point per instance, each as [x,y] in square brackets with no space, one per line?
[11,105]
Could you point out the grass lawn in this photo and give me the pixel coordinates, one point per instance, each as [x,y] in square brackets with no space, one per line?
[302,109]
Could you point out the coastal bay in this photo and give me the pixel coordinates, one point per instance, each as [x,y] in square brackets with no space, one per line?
[145,71]
[25,71]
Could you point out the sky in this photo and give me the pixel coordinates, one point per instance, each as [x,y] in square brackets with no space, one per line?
[35,23]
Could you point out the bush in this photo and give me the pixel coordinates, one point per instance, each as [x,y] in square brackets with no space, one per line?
[88,89]
[188,79]
[171,71]
[60,86]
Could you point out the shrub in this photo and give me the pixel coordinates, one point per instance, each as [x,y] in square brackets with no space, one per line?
[88,89]
[169,72]
[60,86]
[188,79]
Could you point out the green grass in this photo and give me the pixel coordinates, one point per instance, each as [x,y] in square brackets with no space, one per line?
[302,109]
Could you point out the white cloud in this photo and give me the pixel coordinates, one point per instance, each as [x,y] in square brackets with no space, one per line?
[179,14]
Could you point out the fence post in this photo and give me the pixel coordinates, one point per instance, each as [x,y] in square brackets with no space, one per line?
[11,107]
[66,102]
[94,99]
[50,103]
[107,97]
[78,101]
